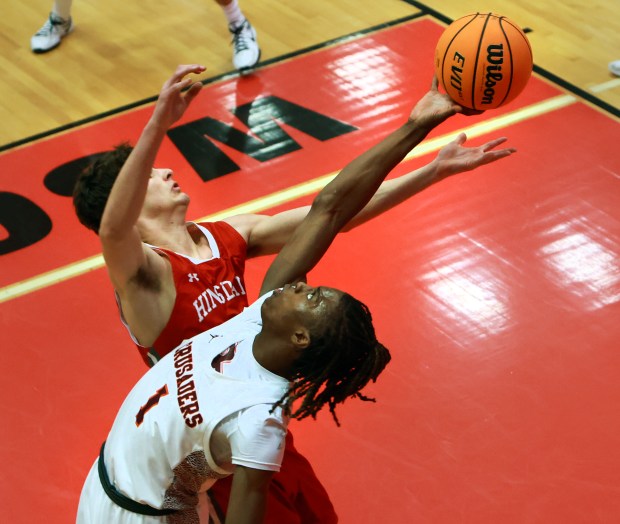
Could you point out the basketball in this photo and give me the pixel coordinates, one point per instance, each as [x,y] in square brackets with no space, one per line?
[483,60]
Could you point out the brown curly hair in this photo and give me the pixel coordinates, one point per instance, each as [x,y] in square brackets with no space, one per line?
[93,186]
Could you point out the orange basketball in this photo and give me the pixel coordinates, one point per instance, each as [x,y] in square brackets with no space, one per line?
[483,60]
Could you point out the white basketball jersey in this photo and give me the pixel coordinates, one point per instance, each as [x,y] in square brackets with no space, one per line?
[158,452]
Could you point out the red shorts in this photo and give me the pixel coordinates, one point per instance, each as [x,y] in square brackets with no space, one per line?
[295,494]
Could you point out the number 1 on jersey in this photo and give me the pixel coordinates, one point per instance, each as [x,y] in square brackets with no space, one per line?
[151,403]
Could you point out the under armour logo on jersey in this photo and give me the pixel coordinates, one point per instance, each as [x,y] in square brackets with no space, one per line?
[193,277]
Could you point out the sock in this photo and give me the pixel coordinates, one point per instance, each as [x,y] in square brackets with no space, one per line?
[62,9]
[233,14]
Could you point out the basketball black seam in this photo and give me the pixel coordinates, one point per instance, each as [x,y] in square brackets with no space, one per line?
[473,79]
[443,60]
[529,46]
[512,64]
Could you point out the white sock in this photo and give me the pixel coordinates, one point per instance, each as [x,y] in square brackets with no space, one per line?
[233,14]
[62,9]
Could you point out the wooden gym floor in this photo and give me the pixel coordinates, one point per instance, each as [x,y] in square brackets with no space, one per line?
[497,291]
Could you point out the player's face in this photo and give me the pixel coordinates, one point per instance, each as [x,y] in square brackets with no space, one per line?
[311,306]
[163,190]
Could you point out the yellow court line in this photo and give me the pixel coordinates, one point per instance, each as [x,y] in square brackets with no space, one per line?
[75,269]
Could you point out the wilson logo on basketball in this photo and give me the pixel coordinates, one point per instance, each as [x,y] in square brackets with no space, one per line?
[495,58]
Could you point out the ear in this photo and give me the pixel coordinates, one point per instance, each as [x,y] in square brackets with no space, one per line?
[300,338]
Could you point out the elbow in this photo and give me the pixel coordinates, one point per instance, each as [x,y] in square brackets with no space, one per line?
[114,224]
[110,231]
[333,209]
[327,203]
[105,230]
[327,207]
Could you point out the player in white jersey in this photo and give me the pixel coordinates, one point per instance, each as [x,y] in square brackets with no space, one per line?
[218,404]
[202,410]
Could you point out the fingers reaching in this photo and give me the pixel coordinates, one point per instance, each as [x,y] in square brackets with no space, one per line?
[178,82]
[182,71]
[182,84]
[193,91]
[460,139]
[492,156]
[493,144]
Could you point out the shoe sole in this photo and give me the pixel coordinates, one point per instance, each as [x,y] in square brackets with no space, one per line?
[42,51]
[247,69]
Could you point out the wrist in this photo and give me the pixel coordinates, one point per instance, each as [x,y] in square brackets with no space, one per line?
[437,170]
[155,127]
[427,122]
[416,130]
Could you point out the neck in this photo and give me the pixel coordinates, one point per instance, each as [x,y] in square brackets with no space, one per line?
[170,231]
[273,355]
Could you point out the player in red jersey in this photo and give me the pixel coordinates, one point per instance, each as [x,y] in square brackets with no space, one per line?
[193,280]
[208,291]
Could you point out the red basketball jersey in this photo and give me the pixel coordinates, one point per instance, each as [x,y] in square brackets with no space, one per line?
[209,292]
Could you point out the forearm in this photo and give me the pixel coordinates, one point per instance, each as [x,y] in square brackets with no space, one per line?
[129,191]
[340,201]
[453,158]
[395,191]
[355,185]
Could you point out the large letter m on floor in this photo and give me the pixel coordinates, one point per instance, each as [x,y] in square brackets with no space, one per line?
[261,116]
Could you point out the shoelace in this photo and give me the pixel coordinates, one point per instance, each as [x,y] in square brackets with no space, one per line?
[240,38]
[48,27]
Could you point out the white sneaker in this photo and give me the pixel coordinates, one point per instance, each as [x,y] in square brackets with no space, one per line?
[614,67]
[245,48]
[50,35]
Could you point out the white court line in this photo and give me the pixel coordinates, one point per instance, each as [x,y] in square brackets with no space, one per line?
[605,86]
[75,269]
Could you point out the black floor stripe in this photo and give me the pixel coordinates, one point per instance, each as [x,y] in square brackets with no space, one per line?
[223,76]
[577,91]
[424,11]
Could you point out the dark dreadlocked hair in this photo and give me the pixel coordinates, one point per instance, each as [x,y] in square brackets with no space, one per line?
[93,186]
[337,364]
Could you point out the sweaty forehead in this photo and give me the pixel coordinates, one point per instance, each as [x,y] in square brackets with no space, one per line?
[331,295]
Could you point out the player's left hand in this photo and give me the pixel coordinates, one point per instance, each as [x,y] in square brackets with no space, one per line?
[173,99]
[456,158]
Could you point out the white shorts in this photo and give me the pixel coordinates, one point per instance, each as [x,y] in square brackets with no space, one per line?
[96,507]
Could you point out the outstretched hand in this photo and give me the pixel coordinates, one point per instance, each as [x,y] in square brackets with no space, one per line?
[455,158]
[172,102]
[435,107]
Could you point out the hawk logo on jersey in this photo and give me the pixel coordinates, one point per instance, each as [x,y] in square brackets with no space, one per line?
[193,277]
[224,357]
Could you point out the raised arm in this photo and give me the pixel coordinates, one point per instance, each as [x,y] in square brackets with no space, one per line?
[267,234]
[352,189]
[123,250]
[452,159]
